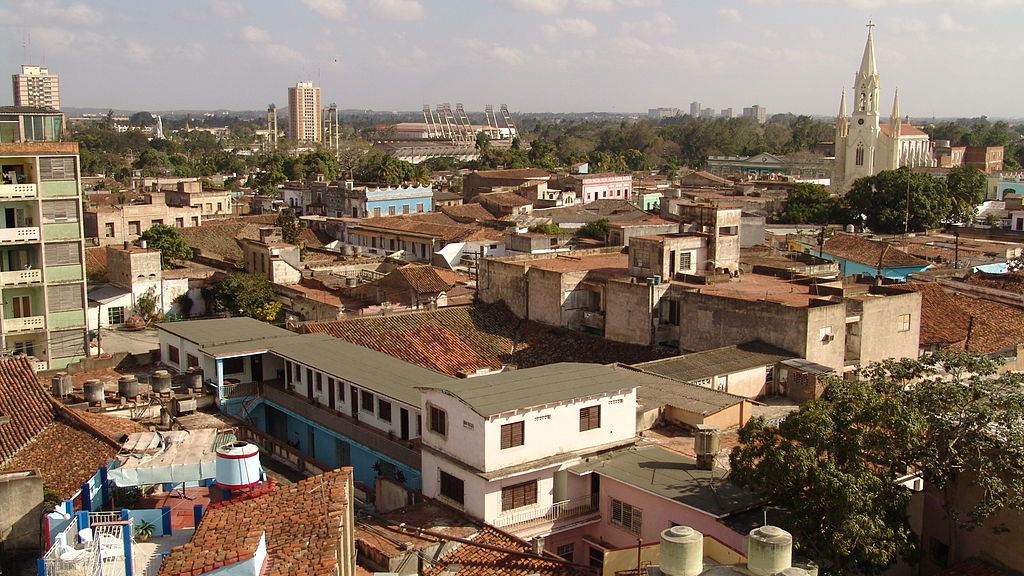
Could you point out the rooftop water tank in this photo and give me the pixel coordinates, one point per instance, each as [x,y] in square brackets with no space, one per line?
[127,386]
[769,550]
[195,379]
[61,384]
[238,465]
[161,381]
[93,391]
[682,551]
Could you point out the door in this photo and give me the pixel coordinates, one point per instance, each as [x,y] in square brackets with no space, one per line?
[595,489]
[22,306]
[343,453]
[671,265]
[256,368]
[403,422]
[9,218]
[330,393]
[354,401]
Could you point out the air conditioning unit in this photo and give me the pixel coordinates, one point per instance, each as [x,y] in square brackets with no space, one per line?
[828,338]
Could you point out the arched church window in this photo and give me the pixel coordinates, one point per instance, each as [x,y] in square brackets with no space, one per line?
[860,155]
[860,103]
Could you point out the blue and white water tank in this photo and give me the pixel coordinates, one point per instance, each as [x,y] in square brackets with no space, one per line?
[238,466]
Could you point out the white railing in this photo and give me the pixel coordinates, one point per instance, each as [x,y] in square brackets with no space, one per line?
[16,277]
[25,234]
[557,511]
[67,556]
[97,517]
[17,190]
[42,366]
[26,323]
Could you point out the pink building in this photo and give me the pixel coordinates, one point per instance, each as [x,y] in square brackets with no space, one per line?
[590,187]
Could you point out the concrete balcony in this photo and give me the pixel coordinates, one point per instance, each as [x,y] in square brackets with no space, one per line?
[17,191]
[26,324]
[521,519]
[21,277]
[15,235]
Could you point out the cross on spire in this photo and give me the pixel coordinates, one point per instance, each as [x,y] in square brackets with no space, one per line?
[869,25]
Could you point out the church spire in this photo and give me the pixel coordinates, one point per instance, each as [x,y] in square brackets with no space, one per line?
[867,63]
[894,119]
[842,121]
[842,105]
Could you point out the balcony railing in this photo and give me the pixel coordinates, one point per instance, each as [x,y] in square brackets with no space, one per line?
[16,277]
[8,191]
[23,324]
[26,234]
[558,511]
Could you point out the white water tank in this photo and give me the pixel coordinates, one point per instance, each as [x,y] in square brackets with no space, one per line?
[769,550]
[238,466]
[682,551]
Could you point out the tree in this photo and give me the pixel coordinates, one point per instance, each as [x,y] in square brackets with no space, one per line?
[811,204]
[882,199]
[291,227]
[551,229]
[145,305]
[246,294]
[833,464]
[169,241]
[597,229]
[966,186]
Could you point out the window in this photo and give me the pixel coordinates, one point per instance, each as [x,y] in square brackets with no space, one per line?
[134,227]
[627,516]
[62,253]
[195,220]
[419,207]
[298,373]
[319,382]
[517,496]
[860,155]
[376,212]
[179,222]
[62,298]
[512,435]
[115,315]
[405,208]
[904,323]
[366,401]
[341,389]
[452,488]
[56,169]
[234,365]
[173,354]
[391,210]
[686,260]
[108,230]
[590,418]
[309,377]
[384,410]
[438,421]
[67,343]
[566,551]
[60,211]
[220,206]
[191,360]
[26,347]
[156,222]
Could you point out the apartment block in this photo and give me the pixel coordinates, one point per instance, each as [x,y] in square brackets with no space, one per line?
[127,222]
[35,86]
[304,113]
[42,279]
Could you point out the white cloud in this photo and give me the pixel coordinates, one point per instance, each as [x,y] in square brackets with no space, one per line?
[82,14]
[397,9]
[661,24]
[77,13]
[333,9]
[948,23]
[595,5]
[255,35]
[281,53]
[227,8]
[540,6]
[507,54]
[578,27]
[137,52]
[730,15]
[191,52]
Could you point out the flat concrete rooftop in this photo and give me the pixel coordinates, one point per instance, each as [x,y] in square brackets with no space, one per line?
[754,287]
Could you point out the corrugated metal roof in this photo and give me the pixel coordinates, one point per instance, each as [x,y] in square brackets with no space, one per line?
[222,330]
[518,389]
[717,362]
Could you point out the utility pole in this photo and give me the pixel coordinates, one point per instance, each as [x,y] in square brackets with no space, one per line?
[906,213]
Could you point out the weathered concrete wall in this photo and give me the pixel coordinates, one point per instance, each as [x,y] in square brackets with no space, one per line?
[628,311]
[504,282]
[882,335]
[21,508]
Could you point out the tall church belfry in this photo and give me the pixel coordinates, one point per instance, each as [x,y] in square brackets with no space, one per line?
[865,145]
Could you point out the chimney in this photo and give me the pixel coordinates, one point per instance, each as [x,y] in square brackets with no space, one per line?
[682,551]
[769,551]
[538,545]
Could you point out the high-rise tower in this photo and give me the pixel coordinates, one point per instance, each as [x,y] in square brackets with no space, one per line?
[304,125]
[35,86]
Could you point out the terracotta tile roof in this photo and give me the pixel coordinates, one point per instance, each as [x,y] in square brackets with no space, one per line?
[472,212]
[219,238]
[905,130]
[870,252]
[453,232]
[426,278]
[502,199]
[114,428]
[303,524]
[524,173]
[484,562]
[946,319]
[96,264]
[465,338]
[65,446]
[699,175]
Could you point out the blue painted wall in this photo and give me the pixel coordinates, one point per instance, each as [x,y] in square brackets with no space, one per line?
[427,201]
[851,268]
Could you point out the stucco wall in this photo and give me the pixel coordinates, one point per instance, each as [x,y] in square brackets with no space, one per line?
[504,282]
[881,334]
[21,507]
[628,311]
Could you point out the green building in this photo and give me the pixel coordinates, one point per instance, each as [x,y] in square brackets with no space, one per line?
[42,251]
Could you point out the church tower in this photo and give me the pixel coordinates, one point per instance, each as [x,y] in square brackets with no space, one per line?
[861,140]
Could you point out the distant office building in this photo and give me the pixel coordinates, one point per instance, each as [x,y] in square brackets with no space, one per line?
[756,112]
[35,86]
[662,113]
[707,113]
[695,109]
[726,113]
[304,123]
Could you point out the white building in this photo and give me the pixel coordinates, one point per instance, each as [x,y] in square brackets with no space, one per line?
[304,113]
[35,86]
[500,446]
[865,146]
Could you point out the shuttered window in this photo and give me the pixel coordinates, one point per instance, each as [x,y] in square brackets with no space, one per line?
[51,169]
[60,211]
[65,343]
[438,421]
[517,496]
[66,297]
[453,488]
[590,418]
[512,435]
[63,254]
[627,516]
[384,410]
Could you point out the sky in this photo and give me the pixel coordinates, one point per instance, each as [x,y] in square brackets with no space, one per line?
[948,57]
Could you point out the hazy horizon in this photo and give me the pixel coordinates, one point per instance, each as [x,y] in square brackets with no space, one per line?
[949,58]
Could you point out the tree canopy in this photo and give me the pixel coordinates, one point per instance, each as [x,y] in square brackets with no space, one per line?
[882,199]
[833,464]
[245,294]
[169,241]
[813,204]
